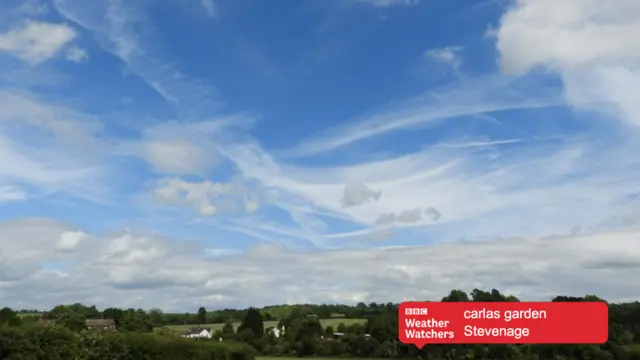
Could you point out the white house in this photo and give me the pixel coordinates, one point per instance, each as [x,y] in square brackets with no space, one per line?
[199,333]
[276,332]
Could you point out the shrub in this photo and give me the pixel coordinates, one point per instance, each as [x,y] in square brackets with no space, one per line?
[58,343]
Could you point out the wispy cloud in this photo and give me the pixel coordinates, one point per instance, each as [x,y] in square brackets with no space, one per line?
[33,8]
[119,32]
[463,144]
[387,3]
[210,7]
[540,187]
[469,97]
[39,147]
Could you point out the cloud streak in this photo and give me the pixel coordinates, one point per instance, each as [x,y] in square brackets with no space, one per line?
[120,32]
[210,7]
[470,97]
[388,3]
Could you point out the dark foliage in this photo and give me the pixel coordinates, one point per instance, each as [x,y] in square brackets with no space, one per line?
[303,336]
[60,343]
[252,322]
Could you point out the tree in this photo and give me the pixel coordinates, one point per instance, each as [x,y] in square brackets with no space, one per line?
[136,320]
[56,311]
[245,335]
[9,317]
[456,296]
[253,322]
[202,315]
[329,330]
[305,334]
[157,317]
[71,320]
[228,329]
[484,296]
[113,313]
[382,327]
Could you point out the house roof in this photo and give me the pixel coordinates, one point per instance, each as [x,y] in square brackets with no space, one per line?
[99,322]
[195,331]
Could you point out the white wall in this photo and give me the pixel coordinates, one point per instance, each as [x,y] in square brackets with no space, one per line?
[203,334]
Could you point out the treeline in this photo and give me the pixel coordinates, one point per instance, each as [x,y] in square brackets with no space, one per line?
[377,337]
[25,338]
[269,313]
[277,312]
[34,342]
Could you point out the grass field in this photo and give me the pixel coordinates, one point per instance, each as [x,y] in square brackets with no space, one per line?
[325,322]
[28,314]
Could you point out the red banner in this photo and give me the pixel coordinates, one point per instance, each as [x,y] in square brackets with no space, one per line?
[422,323]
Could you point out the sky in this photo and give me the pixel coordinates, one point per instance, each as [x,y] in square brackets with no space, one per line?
[235,153]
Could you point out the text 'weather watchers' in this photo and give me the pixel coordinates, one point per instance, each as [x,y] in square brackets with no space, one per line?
[422,323]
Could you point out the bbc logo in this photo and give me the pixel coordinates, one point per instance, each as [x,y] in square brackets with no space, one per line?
[416,311]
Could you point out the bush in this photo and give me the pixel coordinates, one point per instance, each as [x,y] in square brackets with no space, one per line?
[57,343]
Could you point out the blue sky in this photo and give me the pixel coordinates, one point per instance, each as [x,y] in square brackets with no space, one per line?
[278,143]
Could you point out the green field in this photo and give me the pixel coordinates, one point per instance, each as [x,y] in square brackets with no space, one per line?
[28,314]
[325,322]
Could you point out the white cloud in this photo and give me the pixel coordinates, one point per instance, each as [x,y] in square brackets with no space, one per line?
[36,42]
[447,54]
[206,197]
[77,54]
[179,157]
[25,244]
[11,194]
[69,241]
[117,267]
[182,148]
[408,216]
[593,45]
[199,195]
[217,252]
[386,3]
[357,194]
